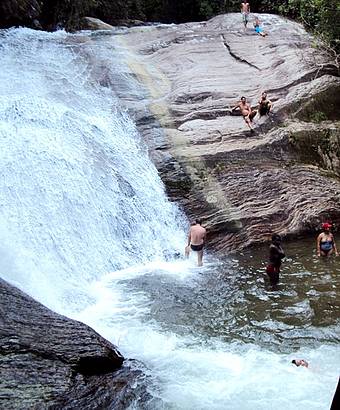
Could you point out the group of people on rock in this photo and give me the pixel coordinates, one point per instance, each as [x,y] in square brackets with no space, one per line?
[245,11]
[264,105]
[264,108]
[325,243]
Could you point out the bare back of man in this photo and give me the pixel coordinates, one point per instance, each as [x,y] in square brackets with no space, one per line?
[196,239]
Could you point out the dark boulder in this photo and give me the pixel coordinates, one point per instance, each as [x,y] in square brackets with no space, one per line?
[20,13]
[48,359]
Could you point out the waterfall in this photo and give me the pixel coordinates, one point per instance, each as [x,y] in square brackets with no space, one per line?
[80,196]
[86,228]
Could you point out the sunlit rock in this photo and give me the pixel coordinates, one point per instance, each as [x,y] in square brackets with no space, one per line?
[282,178]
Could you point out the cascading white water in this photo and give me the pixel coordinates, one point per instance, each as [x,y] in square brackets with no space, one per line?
[80,197]
[84,214]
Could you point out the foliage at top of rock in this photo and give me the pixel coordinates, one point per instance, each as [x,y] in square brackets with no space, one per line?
[317,15]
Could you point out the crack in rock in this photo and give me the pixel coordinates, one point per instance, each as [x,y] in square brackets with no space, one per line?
[236,57]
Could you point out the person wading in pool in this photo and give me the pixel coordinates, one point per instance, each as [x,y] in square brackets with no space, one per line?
[196,239]
[276,255]
[325,243]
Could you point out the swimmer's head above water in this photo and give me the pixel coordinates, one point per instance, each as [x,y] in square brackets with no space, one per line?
[300,362]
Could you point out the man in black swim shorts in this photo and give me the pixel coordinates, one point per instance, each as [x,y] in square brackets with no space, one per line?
[196,239]
[265,105]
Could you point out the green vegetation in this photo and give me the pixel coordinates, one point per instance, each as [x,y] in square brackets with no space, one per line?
[319,16]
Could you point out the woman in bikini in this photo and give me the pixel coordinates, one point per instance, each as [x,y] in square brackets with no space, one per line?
[325,244]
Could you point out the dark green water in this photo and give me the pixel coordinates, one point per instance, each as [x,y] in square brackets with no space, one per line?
[231,300]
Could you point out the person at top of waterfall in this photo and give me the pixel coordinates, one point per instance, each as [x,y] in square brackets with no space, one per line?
[276,255]
[245,11]
[196,240]
[258,28]
[246,111]
[300,362]
[325,243]
[265,105]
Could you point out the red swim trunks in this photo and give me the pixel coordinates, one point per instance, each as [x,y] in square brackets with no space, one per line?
[273,273]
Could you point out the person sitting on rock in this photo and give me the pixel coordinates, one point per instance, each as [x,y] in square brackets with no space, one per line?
[258,28]
[265,105]
[325,243]
[246,111]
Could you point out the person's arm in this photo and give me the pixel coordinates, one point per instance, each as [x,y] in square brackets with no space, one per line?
[189,237]
[318,249]
[270,105]
[334,246]
[277,253]
[235,107]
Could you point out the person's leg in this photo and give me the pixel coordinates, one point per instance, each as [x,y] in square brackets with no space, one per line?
[200,258]
[326,253]
[252,115]
[248,122]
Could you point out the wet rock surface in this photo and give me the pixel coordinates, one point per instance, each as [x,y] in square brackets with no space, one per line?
[50,361]
[282,178]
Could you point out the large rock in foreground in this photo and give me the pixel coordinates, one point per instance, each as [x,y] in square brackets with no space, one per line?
[285,177]
[48,360]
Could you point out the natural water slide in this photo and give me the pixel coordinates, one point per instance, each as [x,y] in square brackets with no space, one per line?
[88,230]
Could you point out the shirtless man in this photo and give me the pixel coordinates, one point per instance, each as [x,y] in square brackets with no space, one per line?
[265,105]
[196,239]
[246,111]
[245,10]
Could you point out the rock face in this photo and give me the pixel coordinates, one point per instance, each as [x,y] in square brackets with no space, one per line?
[49,360]
[20,12]
[285,177]
[91,23]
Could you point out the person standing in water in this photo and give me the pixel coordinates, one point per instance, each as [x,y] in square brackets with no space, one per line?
[276,255]
[325,243]
[196,239]
[245,10]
